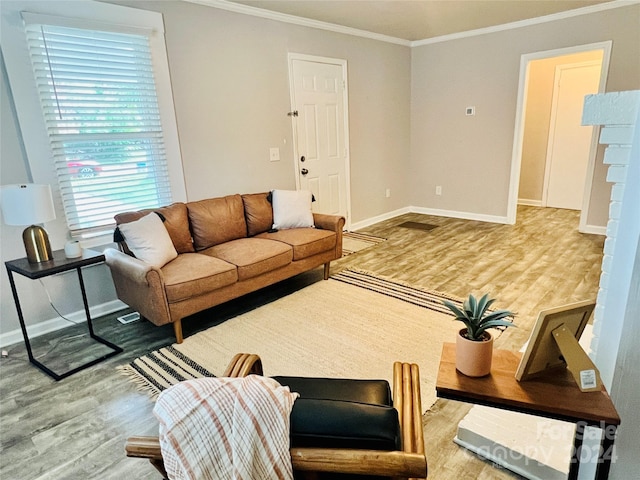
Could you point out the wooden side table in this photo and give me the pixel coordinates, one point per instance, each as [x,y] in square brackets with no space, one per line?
[553,396]
[60,263]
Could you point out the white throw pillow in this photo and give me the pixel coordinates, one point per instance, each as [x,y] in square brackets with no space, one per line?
[149,240]
[291,209]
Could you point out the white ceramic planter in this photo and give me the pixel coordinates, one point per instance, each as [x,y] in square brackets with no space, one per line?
[473,359]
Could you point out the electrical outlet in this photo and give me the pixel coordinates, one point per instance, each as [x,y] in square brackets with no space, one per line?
[470,111]
[438,190]
[274,154]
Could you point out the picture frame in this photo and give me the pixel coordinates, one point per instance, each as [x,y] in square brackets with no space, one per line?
[543,353]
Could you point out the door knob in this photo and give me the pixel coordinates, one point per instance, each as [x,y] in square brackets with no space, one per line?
[302,159]
[304,171]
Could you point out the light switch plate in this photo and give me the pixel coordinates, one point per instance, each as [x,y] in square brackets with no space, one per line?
[274,154]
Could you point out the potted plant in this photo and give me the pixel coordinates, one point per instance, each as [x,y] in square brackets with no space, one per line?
[474,344]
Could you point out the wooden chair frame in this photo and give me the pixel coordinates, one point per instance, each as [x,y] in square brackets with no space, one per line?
[410,462]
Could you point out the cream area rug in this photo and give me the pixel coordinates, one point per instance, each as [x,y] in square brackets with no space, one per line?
[353,242]
[354,325]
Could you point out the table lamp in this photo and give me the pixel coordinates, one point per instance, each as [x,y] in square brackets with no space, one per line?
[28,204]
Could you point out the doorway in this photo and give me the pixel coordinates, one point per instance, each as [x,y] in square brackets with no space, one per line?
[554,156]
[319,115]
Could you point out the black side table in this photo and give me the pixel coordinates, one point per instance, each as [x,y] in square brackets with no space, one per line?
[59,264]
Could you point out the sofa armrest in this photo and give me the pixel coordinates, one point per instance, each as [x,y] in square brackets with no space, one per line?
[125,264]
[139,285]
[334,223]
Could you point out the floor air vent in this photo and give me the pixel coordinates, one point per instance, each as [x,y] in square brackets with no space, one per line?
[418,226]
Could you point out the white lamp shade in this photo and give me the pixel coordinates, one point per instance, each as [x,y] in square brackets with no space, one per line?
[27,204]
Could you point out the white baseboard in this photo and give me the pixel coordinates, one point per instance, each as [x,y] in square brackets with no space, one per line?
[47,326]
[463,215]
[429,211]
[379,218]
[529,202]
[593,229]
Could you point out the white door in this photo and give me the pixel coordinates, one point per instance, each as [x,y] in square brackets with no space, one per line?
[569,142]
[320,132]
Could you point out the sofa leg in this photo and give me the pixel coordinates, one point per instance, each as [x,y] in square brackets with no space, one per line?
[177,329]
[326,270]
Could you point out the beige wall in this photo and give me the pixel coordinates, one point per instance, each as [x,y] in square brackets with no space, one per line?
[538,119]
[470,157]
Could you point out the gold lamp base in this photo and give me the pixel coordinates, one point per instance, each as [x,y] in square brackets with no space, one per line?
[36,243]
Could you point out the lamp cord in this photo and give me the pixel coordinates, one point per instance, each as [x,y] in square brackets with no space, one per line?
[7,357]
[53,306]
[57,342]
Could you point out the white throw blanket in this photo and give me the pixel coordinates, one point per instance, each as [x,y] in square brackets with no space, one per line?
[226,428]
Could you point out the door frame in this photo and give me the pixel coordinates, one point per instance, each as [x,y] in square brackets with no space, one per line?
[345,94]
[552,127]
[518,137]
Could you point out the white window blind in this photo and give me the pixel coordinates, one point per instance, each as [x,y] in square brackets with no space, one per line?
[100,108]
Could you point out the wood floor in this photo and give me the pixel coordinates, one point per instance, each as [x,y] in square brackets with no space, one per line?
[75,428]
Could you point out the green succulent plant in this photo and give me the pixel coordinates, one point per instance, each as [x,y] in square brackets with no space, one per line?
[477,318]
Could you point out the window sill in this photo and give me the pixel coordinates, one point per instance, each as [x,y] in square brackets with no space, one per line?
[97,242]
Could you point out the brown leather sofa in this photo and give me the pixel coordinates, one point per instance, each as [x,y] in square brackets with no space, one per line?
[225,249]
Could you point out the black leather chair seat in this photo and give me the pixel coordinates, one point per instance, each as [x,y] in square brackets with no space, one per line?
[343,413]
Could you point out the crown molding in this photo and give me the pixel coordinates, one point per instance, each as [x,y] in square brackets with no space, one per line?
[304,22]
[332,27]
[600,7]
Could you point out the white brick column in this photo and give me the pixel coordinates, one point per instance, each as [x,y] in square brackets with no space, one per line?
[617,112]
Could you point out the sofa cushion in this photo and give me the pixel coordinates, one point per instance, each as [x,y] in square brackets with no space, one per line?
[176,222]
[325,423]
[216,220]
[149,241]
[306,242]
[253,256]
[342,413]
[258,213]
[193,274]
[374,392]
[291,209]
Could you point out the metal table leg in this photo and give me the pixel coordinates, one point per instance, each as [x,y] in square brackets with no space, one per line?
[59,376]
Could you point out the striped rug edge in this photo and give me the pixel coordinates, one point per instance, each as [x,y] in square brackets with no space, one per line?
[371,240]
[158,370]
[430,299]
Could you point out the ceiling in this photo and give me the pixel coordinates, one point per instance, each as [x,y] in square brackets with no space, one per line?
[414,20]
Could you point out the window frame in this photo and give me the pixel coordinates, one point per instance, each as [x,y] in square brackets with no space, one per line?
[89,15]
